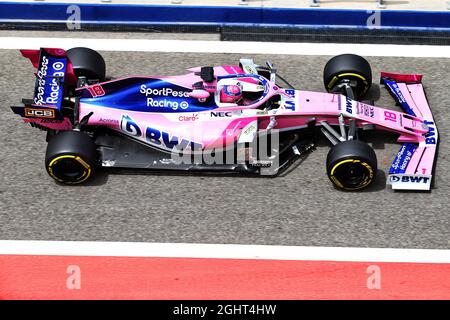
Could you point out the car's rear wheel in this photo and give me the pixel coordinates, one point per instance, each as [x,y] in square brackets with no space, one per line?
[87,63]
[351,69]
[352,165]
[71,157]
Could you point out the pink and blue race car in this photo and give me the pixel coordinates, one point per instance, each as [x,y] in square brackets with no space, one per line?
[243,118]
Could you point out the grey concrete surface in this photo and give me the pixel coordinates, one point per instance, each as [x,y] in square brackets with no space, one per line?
[299,208]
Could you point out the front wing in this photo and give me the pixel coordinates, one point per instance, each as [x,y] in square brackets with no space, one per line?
[413,166]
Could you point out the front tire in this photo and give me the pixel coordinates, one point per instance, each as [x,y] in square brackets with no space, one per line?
[352,165]
[351,68]
[71,157]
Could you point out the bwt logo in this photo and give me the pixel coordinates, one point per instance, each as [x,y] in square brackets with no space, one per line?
[157,137]
[290,104]
[430,137]
[410,179]
[348,105]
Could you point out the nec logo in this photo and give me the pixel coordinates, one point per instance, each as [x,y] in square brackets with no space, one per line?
[348,105]
[40,113]
[221,114]
[410,179]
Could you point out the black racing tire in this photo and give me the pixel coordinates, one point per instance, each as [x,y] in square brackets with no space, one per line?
[352,165]
[87,63]
[348,67]
[71,157]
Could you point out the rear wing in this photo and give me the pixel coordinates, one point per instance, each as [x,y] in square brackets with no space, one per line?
[413,166]
[53,72]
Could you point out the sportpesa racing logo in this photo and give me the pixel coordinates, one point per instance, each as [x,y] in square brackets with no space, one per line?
[165,92]
[152,95]
[402,160]
[49,92]
[398,92]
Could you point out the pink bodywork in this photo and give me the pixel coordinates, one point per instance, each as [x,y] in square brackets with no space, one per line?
[297,108]
[199,127]
[306,105]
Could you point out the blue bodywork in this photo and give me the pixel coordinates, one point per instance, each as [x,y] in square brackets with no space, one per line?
[146,95]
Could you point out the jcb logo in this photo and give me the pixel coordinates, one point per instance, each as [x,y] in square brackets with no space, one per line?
[40,113]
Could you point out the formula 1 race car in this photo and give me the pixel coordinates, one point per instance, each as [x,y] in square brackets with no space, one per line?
[242,118]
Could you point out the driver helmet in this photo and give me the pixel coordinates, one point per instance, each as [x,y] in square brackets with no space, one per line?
[231,93]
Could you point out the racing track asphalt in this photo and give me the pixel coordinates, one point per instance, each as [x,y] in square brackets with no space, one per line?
[299,208]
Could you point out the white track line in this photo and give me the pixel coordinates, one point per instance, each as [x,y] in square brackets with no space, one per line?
[272,48]
[220,251]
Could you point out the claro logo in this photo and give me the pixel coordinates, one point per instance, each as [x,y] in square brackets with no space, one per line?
[40,113]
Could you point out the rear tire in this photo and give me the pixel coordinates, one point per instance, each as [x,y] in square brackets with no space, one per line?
[87,63]
[71,157]
[351,165]
[348,67]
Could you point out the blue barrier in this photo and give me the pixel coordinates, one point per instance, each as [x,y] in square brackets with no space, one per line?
[128,14]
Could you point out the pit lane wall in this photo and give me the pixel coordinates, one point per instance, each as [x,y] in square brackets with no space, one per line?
[235,22]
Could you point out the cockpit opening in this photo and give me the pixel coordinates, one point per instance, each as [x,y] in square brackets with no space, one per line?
[239,91]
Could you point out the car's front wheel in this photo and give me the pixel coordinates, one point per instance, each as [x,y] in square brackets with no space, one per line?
[348,69]
[352,165]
